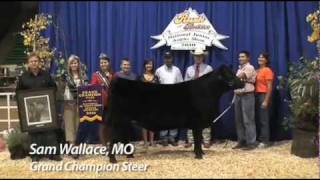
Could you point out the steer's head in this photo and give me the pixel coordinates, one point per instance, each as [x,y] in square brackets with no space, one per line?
[229,79]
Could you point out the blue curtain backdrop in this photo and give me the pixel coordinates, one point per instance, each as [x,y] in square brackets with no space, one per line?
[123,29]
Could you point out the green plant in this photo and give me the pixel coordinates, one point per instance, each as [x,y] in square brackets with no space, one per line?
[302,84]
[17,138]
[60,63]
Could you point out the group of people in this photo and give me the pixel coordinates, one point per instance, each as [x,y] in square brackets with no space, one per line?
[257,91]
[253,101]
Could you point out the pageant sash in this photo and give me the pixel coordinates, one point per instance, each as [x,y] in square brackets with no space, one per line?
[105,80]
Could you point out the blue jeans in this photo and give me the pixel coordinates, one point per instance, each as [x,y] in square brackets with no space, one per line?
[182,134]
[168,135]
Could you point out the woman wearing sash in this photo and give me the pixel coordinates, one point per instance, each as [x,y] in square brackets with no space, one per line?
[103,77]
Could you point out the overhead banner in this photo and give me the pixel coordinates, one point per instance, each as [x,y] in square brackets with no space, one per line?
[190,30]
[90,103]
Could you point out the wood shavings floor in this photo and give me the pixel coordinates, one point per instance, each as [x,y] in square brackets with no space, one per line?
[220,161]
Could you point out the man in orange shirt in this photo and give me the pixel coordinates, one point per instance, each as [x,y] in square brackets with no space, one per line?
[263,89]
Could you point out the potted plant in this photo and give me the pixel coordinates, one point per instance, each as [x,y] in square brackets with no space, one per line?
[18,144]
[302,85]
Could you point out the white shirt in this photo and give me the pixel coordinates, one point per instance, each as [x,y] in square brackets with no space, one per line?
[77,81]
[251,74]
[203,69]
[169,75]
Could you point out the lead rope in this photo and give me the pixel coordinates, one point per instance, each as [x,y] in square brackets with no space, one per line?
[226,110]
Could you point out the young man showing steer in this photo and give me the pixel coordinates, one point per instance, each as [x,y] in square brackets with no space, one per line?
[245,104]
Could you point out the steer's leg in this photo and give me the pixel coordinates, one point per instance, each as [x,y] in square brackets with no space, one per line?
[112,157]
[128,133]
[129,155]
[197,143]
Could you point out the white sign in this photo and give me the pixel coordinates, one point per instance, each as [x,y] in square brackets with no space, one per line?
[188,31]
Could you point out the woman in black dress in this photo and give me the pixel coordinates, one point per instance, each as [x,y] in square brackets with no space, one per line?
[148,76]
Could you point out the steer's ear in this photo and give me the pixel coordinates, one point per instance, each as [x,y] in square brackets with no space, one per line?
[223,68]
[226,66]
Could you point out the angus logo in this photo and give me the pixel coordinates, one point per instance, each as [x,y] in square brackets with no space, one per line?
[189,30]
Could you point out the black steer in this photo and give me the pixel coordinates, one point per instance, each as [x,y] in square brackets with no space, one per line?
[191,104]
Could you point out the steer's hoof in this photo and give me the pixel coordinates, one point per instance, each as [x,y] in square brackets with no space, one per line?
[203,153]
[130,156]
[113,160]
[199,157]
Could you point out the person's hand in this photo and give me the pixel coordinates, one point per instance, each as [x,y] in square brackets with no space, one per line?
[264,104]
[242,76]
[238,92]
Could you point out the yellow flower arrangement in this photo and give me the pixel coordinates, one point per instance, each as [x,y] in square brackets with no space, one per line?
[314,20]
[34,42]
